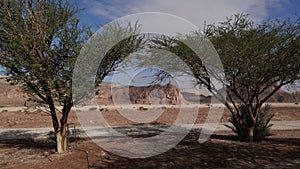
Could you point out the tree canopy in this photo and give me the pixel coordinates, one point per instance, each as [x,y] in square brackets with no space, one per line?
[40,41]
[39,44]
[258,59]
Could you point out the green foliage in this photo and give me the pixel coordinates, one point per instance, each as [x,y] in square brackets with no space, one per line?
[102,55]
[241,122]
[39,43]
[143,108]
[51,135]
[258,59]
[92,108]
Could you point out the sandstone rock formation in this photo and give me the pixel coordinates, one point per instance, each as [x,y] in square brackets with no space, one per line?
[154,94]
[11,95]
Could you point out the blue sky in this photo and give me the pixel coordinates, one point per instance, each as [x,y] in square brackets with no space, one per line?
[100,12]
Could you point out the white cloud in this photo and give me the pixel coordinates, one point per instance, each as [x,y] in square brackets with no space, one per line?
[196,11]
[276,4]
[109,9]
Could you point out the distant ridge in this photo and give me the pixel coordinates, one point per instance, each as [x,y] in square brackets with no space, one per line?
[13,96]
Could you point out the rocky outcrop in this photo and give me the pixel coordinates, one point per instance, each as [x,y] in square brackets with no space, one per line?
[155,94]
[196,98]
[11,95]
[168,94]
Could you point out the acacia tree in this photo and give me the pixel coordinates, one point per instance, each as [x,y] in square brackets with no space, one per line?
[40,41]
[257,60]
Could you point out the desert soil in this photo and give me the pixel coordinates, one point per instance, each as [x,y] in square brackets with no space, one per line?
[222,151]
[281,150]
[19,119]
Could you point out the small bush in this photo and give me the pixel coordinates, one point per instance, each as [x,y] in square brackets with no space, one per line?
[103,109]
[241,124]
[92,108]
[52,138]
[143,108]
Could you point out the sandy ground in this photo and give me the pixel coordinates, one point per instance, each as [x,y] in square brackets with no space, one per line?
[222,151]
[18,119]
[281,150]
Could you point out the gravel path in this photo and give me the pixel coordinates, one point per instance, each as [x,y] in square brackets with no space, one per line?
[24,133]
[137,106]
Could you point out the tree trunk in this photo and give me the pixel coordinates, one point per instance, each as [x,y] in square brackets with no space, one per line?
[61,141]
[252,119]
[250,134]
[60,132]
[61,135]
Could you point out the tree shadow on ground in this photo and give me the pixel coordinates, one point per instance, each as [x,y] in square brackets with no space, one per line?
[17,134]
[24,139]
[223,151]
